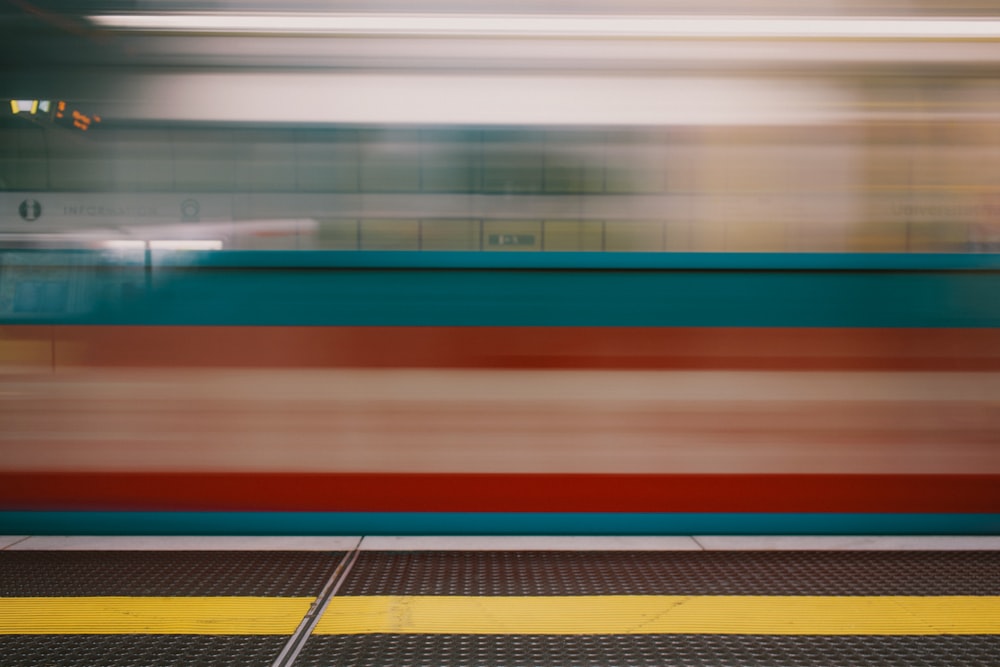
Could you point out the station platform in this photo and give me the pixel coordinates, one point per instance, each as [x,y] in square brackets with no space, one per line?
[580,601]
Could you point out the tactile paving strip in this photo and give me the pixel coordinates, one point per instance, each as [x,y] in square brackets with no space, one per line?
[676,573]
[650,650]
[59,576]
[138,650]
[165,573]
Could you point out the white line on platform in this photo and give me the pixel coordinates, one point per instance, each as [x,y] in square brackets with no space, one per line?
[7,540]
[526,543]
[848,543]
[502,543]
[679,543]
[183,543]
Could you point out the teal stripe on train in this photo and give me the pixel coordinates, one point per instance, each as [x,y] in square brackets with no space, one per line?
[429,259]
[487,523]
[493,289]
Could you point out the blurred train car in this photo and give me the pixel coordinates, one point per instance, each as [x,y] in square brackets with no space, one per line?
[495,393]
[692,275]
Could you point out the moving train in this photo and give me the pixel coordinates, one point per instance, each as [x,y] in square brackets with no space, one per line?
[545,274]
[584,393]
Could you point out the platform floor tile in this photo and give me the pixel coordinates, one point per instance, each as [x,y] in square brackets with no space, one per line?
[441,608]
[137,650]
[650,651]
[111,608]
[589,609]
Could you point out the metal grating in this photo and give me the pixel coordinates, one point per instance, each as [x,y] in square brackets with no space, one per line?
[165,573]
[676,573]
[138,650]
[651,650]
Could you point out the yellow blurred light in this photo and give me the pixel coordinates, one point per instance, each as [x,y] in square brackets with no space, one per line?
[24,106]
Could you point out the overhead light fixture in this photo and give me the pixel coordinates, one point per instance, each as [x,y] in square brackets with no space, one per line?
[170,244]
[185,245]
[123,244]
[651,27]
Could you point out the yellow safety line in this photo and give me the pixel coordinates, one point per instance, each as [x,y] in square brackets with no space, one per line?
[623,614]
[152,615]
[576,615]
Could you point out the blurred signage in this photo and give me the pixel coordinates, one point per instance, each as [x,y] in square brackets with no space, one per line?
[57,112]
[72,209]
[190,210]
[512,239]
[30,210]
[110,211]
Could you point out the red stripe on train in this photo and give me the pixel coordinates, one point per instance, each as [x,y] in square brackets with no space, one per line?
[512,347]
[446,492]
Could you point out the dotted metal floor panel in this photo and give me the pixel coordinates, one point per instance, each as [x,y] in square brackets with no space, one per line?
[649,650]
[165,573]
[676,573]
[138,650]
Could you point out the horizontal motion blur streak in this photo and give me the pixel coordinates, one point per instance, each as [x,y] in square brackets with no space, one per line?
[648,27]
